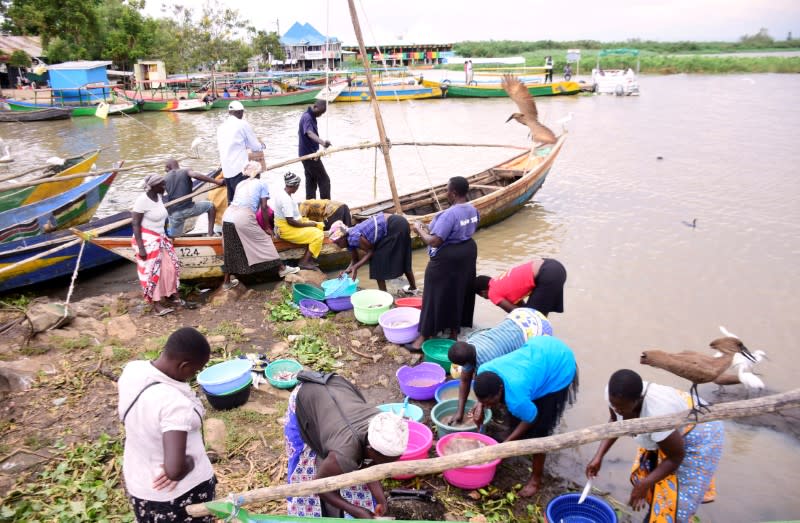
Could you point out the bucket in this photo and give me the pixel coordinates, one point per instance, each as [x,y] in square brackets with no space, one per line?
[471,476]
[566,508]
[400,325]
[302,291]
[435,350]
[420,382]
[369,304]
[420,441]
[442,411]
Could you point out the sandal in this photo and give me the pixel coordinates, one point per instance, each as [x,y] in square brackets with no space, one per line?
[230,285]
[164,311]
[408,291]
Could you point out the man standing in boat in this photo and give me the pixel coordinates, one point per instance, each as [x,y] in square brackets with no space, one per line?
[309,142]
[234,138]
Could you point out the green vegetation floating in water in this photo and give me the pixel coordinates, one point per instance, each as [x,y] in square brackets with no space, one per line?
[83,484]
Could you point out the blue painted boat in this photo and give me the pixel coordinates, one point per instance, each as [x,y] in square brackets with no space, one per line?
[70,208]
[59,252]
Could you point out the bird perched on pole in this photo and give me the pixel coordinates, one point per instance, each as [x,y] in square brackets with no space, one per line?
[695,367]
[528,115]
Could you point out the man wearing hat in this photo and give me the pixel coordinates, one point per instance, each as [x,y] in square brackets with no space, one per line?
[330,430]
[234,138]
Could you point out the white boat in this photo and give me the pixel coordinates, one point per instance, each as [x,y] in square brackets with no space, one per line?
[619,82]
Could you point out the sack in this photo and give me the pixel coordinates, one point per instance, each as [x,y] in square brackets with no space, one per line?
[312,376]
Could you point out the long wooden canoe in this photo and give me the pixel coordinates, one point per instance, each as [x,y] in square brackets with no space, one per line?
[37,115]
[14,198]
[31,261]
[77,110]
[497,193]
[159,102]
[303,96]
[491,90]
[389,93]
[74,207]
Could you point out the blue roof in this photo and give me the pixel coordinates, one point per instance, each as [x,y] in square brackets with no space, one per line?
[304,34]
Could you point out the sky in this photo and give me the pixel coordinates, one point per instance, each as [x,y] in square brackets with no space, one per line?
[447,21]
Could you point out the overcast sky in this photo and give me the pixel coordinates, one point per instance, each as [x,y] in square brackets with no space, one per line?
[445,21]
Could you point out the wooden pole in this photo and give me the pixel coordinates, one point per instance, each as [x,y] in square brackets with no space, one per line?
[375,107]
[733,409]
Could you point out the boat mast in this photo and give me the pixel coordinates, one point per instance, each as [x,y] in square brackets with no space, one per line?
[378,119]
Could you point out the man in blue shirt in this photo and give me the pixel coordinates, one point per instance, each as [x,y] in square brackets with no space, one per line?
[309,144]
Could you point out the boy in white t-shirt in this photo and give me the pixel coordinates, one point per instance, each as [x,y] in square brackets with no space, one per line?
[165,465]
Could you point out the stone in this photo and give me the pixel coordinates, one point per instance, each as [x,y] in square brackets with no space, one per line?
[355,343]
[86,326]
[279,348]
[345,316]
[121,328]
[383,381]
[216,436]
[45,316]
[260,408]
[107,351]
[362,333]
[378,332]
[393,350]
[399,359]
[17,376]
[249,330]
[217,339]
[222,297]
[415,359]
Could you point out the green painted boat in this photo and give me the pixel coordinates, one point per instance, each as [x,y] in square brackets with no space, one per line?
[492,91]
[304,96]
[77,110]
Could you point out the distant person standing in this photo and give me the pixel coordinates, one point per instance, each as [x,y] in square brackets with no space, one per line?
[309,142]
[548,66]
[234,138]
[468,72]
[567,73]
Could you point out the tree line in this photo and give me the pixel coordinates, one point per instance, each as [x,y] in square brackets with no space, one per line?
[187,38]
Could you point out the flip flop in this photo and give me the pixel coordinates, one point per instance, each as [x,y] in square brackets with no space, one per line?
[230,285]
[164,312]
[309,267]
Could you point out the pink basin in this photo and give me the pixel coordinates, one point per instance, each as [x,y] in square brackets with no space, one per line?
[420,441]
[472,476]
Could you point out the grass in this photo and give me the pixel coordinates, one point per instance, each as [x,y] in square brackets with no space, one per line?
[79,343]
[233,332]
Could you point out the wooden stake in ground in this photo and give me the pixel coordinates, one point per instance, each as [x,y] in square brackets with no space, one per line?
[734,409]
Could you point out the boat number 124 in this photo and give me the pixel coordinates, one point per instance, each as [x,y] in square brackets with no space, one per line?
[188,251]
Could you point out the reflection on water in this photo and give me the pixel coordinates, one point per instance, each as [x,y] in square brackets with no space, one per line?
[610,210]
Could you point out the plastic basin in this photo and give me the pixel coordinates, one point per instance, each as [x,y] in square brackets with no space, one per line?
[420,441]
[369,304]
[449,391]
[400,325]
[302,291]
[472,476]
[420,382]
[435,350]
[313,308]
[230,400]
[225,377]
[442,411]
[339,287]
[278,366]
[413,412]
[342,303]
[593,510]
[411,301]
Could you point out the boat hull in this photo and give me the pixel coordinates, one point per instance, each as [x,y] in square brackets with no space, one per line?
[74,207]
[14,198]
[306,96]
[78,110]
[389,93]
[492,91]
[35,115]
[61,262]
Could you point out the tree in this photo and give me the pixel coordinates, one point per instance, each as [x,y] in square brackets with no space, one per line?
[19,59]
[266,44]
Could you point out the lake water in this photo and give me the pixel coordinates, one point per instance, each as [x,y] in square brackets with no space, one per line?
[610,210]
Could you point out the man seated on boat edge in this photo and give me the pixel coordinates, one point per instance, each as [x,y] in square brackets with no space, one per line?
[179,183]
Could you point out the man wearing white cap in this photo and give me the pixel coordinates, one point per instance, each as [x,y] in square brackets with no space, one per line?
[330,430]
[234,138]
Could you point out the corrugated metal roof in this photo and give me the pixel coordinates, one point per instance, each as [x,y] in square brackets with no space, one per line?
[304,34]
[80,65]
[30,44]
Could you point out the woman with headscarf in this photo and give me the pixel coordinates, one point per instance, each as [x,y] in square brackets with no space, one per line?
[673,471]
[449,298]
[158,265]
[248,248]
[292,227]
[385,240]
[330,430]
[326,211]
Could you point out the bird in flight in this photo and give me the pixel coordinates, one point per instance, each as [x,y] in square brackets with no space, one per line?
[528,115]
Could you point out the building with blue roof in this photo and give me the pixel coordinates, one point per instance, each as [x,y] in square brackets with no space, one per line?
[305,49]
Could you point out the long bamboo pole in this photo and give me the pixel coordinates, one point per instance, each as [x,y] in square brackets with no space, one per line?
[734,409]
[375,107]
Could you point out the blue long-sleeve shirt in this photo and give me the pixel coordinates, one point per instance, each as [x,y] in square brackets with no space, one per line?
[543,365]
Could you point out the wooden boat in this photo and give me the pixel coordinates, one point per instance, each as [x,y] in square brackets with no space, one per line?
[389,93]
[76,110]
[161,102]
[497,193]
[37,115]
[17,197]
[42,258]
[492,90]
[302,96]
[73,207]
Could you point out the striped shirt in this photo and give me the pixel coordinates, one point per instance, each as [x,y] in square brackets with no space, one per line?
[520,325]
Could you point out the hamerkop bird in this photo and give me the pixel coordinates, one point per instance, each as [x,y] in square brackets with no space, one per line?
[529,115]
[695,367]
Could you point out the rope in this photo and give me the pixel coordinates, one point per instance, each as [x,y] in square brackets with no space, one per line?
[402,109]
[74,277]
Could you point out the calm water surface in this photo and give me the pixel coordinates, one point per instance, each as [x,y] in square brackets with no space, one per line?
[610,211]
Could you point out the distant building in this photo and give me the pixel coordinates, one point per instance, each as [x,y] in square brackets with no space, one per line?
[305,48]
[32,45]
[398,54]
[82,81]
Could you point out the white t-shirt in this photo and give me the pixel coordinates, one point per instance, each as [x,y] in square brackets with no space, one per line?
[155,213]
[284,206]
[169,405]
[659,400]
[234,138]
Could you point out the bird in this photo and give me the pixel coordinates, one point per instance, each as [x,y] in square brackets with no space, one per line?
[563,121]
[55,160]
[529,115]
[693,225]
[695,367]
[194,147]
[6,158]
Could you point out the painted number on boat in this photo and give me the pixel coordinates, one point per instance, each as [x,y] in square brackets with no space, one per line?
[188,251]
